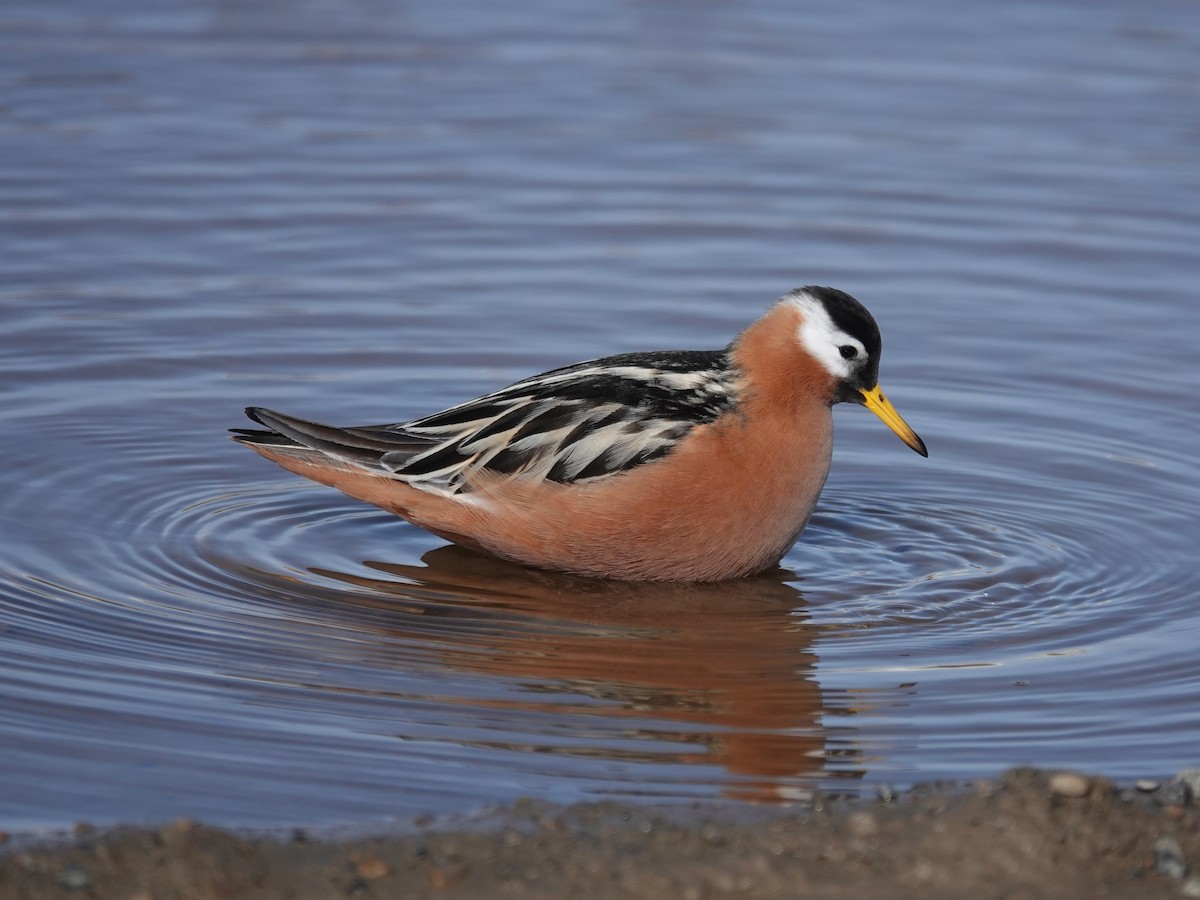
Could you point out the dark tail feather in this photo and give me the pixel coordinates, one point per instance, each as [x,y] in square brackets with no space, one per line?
[257,436]
[363,445]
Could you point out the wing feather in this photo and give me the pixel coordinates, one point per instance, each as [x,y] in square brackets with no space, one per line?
[590,420]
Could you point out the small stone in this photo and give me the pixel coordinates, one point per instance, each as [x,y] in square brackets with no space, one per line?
[722,882]
[74,878]
[1146,785]
[1191,887]
[1168,858]
[1190,779]
[1069,784]
[886,793]
[985,788]
[1173,793]
[84,829]
[372,868]
[863,824]
[448,875]
[181,828]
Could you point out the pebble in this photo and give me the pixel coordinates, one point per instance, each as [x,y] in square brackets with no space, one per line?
[1146,785]
[1168,858]
[372,868]
[74,878]
[887,793]
[448,875]
[181,828]
[1191,887]
[1173,793]
[863,824]
[1069,784]
[1190,779]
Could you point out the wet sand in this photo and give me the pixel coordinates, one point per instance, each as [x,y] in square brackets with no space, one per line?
[1026,834]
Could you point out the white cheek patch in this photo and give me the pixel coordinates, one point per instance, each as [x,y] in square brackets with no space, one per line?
[823,340]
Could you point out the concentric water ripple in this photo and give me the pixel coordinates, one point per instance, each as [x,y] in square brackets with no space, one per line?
[260,631]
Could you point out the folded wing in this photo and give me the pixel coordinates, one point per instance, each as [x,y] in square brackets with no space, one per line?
[586,421]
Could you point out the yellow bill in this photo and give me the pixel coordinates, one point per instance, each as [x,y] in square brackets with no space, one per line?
[882,407]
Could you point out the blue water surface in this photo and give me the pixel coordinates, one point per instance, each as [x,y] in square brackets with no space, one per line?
[368,210]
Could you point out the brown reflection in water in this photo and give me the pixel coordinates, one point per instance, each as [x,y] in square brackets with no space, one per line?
[732,659]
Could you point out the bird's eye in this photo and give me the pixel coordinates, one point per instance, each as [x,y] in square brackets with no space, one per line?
[847,351]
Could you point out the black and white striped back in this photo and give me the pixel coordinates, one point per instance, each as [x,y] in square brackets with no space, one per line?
[580,422]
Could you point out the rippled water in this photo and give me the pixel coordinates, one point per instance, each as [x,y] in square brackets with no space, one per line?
[367,211]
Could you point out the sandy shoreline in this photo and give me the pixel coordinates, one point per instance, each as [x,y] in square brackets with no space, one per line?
[1026,834]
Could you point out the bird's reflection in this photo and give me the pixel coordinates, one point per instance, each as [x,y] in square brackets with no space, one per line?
[732,663]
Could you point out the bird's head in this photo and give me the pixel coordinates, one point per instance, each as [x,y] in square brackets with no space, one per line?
[838,332]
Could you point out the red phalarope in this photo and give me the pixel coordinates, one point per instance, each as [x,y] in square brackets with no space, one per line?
[678,465]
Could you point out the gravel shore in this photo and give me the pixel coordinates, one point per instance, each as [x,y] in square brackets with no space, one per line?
[1026,834]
